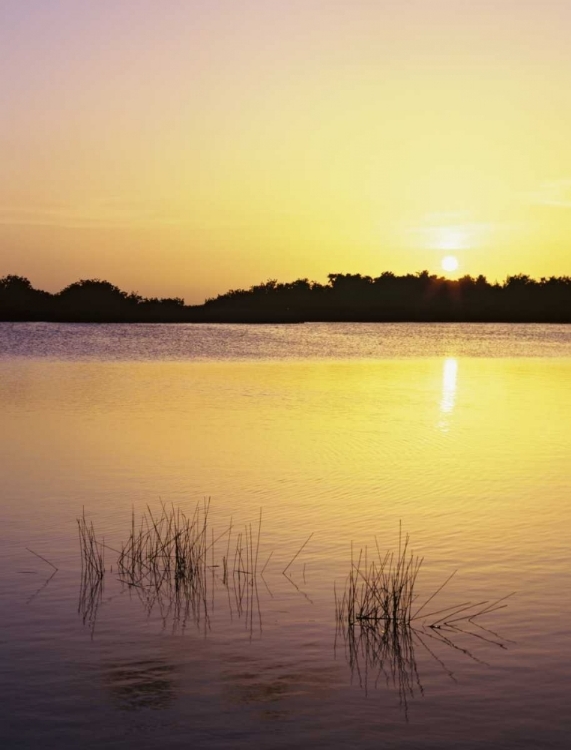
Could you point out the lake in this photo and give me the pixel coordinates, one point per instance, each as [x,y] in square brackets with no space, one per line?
[320,445]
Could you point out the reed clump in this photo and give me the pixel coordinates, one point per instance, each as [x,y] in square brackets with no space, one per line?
[169,560]
[380,619]
[170,548]
[92,571]
[381,592]
[92,551]
[164,560]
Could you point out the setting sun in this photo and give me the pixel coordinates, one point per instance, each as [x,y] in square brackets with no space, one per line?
[450,263]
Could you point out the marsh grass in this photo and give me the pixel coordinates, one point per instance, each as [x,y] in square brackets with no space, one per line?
[92,572]
[382,590]
[169,560]
[381,619]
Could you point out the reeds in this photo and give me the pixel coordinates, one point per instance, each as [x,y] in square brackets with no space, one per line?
[169,549]
[92,572]
[92,551]
[380,620]
[165,561]
[381,591]
[169,561]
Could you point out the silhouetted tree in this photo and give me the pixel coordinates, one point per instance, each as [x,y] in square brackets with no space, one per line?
[20,301]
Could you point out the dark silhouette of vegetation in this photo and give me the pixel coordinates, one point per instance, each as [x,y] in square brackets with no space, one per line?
[381,619]
[85,301]
[411,297]
[345,297]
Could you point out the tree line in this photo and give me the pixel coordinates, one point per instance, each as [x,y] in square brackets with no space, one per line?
[411,297]
[88,300]
[344,297]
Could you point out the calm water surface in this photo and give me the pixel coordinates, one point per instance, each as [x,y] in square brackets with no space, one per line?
[460,432]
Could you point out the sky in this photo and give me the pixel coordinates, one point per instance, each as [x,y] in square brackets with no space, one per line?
[185,147]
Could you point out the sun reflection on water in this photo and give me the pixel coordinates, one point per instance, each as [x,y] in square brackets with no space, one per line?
[449,386]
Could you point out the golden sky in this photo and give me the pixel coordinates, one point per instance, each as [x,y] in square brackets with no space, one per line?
[189,146]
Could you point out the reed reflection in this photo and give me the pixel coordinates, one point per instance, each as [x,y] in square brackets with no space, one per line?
[169,563]
[381,620]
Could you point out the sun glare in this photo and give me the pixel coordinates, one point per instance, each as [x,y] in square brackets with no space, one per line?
[450,263]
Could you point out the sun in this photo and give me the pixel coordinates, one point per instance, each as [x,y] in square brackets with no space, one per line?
[450,263]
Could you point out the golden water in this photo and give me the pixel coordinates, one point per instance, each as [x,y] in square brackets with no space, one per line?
[469,449]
